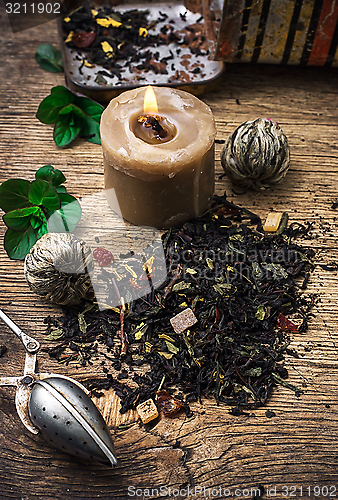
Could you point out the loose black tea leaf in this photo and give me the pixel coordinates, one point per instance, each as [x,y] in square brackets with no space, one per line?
[131,43]
[241,286]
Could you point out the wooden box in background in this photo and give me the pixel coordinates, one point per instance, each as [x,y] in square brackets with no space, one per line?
[301,32]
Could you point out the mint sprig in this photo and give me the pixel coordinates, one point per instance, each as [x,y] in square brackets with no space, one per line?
[35,208]
[71,115]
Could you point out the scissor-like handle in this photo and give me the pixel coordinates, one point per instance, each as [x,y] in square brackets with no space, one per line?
[31,345]
[23,391]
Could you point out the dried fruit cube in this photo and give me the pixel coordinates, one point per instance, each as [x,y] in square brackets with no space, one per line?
[272,222]
[147,411]
[183,320]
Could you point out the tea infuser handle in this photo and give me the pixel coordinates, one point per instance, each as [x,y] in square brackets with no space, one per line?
[31,345]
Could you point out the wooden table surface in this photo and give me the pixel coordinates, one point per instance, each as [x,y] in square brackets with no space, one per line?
[289,454]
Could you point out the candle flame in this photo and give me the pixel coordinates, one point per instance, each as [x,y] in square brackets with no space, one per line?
[150,102]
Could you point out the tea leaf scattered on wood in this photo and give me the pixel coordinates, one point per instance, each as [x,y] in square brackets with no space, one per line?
[235,352]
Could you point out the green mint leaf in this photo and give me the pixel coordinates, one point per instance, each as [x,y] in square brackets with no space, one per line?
[42,193]
[28,204]
[38,219]
[14,194]
[52,175]
[72,108]
[62,89]
[41,230]
[49,108]
[66,218]
[19,220]
[18,243]
[66,130]
[71,115]
[90,130]
[39,224]
[90,108]
[49,58]
[91,125]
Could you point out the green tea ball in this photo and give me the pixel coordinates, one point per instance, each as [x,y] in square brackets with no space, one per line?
[57,269]
[256,155]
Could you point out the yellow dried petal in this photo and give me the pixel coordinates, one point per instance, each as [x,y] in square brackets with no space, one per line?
[67,19]
[167,355]
[108,23]
[148,346]
[107,48]
[69,37]
[103,22]
[210,263]
[87,64]
[142,32]
[140,331]
[139,334]
[190,271]
[129,269]
[94,12]
[166,337]
[272,222]
[148,265]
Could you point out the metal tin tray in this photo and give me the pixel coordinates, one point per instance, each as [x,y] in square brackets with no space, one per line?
[186,70]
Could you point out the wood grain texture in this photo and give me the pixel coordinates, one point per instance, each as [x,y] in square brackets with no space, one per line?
[299,446]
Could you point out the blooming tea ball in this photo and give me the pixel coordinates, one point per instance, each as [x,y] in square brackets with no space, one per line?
[256,155]
[57,269]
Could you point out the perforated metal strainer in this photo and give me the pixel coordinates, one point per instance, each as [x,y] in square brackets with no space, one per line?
[59,407]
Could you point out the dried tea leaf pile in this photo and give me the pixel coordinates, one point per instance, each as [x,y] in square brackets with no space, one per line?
[242,286]
[131,45]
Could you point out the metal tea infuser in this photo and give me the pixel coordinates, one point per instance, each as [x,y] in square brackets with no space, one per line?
[59,408]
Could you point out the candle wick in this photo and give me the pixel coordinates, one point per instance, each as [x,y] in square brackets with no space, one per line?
[153,122]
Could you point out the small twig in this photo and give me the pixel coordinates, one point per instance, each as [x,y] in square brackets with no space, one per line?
[242,379]
[172,282]
[161,383]
[124,340]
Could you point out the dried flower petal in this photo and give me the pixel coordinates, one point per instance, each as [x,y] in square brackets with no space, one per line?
[285,324]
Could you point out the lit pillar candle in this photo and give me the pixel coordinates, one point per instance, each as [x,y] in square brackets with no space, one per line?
[159,156]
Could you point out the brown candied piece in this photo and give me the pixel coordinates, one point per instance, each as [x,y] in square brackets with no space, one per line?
[83,39]
[168,404]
